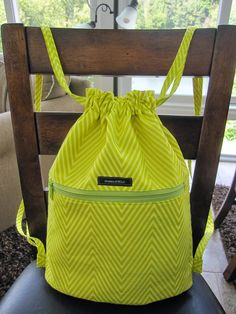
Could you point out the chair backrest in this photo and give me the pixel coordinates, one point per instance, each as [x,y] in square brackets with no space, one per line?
[117,52]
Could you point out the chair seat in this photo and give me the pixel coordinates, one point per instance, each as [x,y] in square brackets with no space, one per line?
[31,294]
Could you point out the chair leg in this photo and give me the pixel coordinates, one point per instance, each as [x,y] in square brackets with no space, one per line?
[229,201]
[230,271]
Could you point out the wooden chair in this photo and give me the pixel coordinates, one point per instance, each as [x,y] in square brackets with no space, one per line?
[114,52]
[230,200]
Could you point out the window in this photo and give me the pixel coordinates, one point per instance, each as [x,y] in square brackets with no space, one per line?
[229,143]
[155,83]
[232,20]
[57,13]
[177,14]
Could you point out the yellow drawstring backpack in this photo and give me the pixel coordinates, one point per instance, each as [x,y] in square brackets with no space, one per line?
[119,225]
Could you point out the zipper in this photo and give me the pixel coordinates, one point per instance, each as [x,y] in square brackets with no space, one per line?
[116,196]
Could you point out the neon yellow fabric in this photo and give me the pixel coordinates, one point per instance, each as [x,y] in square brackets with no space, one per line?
[131,253]
[190,168]
[197,94]
[56,64]
[20,214]
[33,241]
[119,251]
[176,71]
[197,262]
[38,92]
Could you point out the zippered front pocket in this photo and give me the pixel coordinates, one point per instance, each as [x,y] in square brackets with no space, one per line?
[111,246]
[116,196]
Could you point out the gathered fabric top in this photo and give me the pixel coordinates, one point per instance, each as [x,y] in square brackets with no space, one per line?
[134,102]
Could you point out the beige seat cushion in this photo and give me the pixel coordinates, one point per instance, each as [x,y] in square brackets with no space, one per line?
[3,89]
[10,192]
[51,88]
[65,103]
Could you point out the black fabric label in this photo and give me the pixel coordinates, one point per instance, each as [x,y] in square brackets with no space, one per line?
[115,181]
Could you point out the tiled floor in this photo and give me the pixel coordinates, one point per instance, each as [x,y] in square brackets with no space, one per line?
[214,260]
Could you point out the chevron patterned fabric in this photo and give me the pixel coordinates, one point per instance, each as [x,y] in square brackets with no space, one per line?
[119,252]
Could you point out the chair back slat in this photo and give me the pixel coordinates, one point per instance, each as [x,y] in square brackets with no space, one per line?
[129,52]
[186,130]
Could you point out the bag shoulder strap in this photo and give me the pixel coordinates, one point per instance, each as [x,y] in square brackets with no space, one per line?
[173,77]
[56,64]
[41,256]
[176,70]
[197,260]
[197,94]
[38,92]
